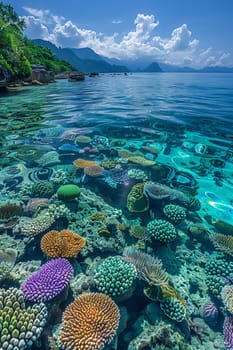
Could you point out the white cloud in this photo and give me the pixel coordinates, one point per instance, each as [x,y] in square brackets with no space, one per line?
[180,48]
[116,21]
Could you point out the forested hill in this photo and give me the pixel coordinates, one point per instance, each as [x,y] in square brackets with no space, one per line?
[18,53]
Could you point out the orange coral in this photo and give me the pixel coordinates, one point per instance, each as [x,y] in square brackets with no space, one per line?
[89,322]
[93,170]
[82,163]
[62,244]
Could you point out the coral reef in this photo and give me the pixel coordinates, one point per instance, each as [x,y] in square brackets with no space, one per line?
[175,213]
[227,297]
[68,192]
[93,170]
[62,244]
[33,226]
[161,231]
[149,269]
[173,309]
[48,281]
[82,163]
[210,313]
[7,261]
[222,242]
[89,323]
[137,201]
[10,211]
[114,276]
[228,332]
[42,189]
[20,327]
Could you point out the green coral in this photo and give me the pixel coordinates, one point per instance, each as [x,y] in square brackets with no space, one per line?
[162,231]
[174,309]
[174,213]
[68,192]
[114,276]
[137,200]
[42,189]
[19,326]
[216,270]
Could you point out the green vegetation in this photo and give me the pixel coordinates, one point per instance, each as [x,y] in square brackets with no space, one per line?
[18,53]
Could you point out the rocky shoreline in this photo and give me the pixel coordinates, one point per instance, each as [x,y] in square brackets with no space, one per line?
[39,77]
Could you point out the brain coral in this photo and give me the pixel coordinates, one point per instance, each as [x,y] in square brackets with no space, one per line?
[19,326]
[89,322]
[62,244]
[48,281]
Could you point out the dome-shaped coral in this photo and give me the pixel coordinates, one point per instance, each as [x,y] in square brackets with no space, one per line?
[174,213]
[161,231]
[114,276]
[48,281]
[62,244]
[89,322]
[68,192]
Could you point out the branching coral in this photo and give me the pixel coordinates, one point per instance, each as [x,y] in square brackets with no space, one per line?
[89,323]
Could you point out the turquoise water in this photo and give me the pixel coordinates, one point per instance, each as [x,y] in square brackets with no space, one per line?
[174,131]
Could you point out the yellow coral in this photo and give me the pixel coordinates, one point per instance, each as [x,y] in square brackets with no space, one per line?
[137,201]
[97,216]
[82,163]
[141,161]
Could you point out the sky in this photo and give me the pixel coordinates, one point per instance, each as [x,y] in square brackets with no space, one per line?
[193,33]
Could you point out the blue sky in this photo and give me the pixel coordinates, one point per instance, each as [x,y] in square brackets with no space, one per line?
[183,32]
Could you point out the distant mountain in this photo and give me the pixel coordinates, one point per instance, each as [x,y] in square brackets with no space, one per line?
[84,60]
[87,60]
[85,53]
[176,69]
[153,67]
[216,69]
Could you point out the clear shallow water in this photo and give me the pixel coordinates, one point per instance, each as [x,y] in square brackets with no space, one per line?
[182,122]
[190,110]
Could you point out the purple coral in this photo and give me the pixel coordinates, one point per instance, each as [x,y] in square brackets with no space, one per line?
[48,281]
[228,332]
[210,313]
